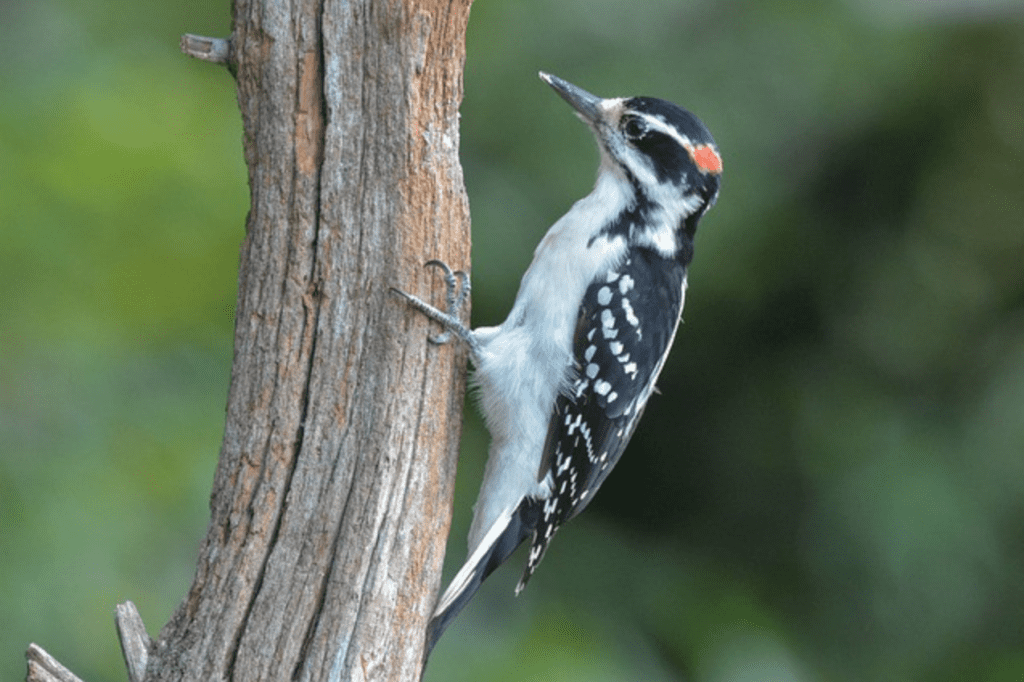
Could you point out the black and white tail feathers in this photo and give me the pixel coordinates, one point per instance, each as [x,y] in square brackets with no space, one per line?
[503,538]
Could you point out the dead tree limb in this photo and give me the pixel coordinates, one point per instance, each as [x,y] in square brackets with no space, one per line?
[332,495]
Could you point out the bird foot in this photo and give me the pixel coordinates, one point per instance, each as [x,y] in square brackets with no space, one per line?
[457,292]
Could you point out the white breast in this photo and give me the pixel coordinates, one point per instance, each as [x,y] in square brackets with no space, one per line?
[526,360]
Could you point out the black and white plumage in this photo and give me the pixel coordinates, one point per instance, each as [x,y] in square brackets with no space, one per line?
[564,380]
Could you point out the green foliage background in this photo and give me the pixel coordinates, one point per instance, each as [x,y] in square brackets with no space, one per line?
[829,486]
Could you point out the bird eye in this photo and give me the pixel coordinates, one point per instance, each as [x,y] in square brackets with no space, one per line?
[634,128]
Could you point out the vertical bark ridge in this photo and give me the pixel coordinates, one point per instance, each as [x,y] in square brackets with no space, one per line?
[331,499]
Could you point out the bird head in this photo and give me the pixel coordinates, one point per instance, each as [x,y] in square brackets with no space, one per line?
[661,149]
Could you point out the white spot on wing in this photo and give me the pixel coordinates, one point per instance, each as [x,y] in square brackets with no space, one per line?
[630,315]
[564,465]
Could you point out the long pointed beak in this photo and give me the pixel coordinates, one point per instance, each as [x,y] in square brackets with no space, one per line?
[586,105]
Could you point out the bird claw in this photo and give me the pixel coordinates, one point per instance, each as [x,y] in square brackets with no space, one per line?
[458,289]
[457,285]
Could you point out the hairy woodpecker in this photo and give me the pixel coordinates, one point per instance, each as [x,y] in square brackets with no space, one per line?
[564,380]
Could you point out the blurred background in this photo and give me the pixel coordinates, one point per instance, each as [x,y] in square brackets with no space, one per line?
[830,485]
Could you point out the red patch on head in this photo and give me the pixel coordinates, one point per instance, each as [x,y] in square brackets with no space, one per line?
[707,159]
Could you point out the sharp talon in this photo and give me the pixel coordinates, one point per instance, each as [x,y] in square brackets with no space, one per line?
[449,276]
[457,290]
[454,284]
[438,264]
[457,285]
[464,288]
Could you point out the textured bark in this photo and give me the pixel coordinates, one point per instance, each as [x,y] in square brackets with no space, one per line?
[332,496]
[331,500]
[42,667]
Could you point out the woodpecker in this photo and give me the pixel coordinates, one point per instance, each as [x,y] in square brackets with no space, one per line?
[564,380]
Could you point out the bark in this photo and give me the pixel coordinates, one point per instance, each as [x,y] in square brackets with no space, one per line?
[332,495]
[42,667]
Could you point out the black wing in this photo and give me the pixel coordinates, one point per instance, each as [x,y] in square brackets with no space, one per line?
[625,326]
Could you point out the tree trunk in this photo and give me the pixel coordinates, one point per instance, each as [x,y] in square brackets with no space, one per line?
[332,497]
[331,501]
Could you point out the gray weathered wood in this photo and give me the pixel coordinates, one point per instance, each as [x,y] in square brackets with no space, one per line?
[216,50]
[42,667]
[135,641]
[331,500]
[332,495]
